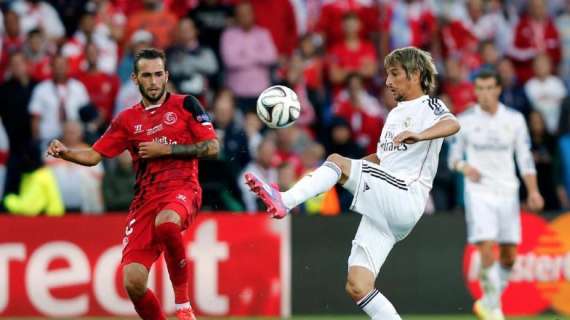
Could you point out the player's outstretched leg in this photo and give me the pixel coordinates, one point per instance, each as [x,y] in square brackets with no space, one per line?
[360,287]
[335,169]
[135,278]
[167,229]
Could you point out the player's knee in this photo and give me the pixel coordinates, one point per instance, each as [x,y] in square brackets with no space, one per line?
[167,216]
[357,289]
[487,253]
[134,280]
[507,260]
[342,162]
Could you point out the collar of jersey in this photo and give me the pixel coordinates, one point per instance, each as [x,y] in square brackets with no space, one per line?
[416,100]
[155,106]
[499,110]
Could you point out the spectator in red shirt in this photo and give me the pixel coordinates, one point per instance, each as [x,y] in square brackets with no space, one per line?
[362,111]
[102,87]
[281,23]
[352,55]
[74,48]
[457,86]
[109,19]
[38,55]
[12,39]
[534,34]
[332,12]
[489,56]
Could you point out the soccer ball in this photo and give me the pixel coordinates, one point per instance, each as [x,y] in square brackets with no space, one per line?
[278,107]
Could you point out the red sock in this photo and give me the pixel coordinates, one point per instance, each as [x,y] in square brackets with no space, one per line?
[148,307]
[169,236]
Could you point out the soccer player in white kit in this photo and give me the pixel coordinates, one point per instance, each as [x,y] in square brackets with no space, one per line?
[391,186]
[483,151]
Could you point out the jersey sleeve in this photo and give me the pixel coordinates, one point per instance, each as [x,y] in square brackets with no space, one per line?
[113,141]
[200,125]
[457,145]
[438,112]
[523,155]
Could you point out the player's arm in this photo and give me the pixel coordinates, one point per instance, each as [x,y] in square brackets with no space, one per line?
[372,158]
[455,160]
[445,127]
[525,162]
[203,149]
[85,156]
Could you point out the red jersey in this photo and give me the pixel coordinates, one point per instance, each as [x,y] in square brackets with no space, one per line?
[531,38]
[462,95]
[103,89]
[179,120]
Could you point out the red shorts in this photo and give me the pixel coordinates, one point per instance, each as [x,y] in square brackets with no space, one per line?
[139,243]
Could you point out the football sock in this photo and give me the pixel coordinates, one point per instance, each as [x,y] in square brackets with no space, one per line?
[148,307]
[377,307]
[314,183]
[169,236]
[504,275]
[180,306]
[490,283]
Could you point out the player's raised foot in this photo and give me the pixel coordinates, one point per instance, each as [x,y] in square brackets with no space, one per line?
[269,194]
[481,311]
[185,314]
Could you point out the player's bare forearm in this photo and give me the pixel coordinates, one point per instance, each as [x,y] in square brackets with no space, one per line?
[443,128]
[203,149]
[85,157]
[372,158]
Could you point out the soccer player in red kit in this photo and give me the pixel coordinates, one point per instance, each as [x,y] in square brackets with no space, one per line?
[165,134]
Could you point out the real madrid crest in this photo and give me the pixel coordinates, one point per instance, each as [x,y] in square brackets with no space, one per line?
[170,118]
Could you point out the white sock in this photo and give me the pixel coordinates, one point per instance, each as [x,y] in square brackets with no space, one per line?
[504,275]
[377,307]
[185,305]
[490,283]
[314,183]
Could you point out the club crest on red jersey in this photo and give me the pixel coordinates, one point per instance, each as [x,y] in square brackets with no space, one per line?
[170,118]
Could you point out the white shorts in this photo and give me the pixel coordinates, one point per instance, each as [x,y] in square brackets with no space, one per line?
[390,209]
[494,217]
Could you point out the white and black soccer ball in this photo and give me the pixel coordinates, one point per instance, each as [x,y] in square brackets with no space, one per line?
[278,107]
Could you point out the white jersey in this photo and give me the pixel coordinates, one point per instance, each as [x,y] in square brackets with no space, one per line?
[412,162]
[488,142]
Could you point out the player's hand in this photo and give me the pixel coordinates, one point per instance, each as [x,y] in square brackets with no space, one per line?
[407,137]
[471,173]
[534,201]
[56,149]
[149,150]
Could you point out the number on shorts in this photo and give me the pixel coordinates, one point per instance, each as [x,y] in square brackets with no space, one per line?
[129,228]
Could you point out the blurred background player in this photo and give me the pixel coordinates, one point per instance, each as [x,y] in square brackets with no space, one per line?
[165,134]
[390,186]
[491,134]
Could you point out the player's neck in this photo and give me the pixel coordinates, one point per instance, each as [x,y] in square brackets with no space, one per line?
[414,94]
[491,109]
[151,105]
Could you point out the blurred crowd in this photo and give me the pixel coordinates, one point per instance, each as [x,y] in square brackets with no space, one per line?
[65,70]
